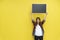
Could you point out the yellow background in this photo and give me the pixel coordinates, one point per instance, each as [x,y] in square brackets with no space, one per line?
[15,19]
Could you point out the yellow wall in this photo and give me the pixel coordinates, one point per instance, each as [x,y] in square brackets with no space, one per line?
[15,19]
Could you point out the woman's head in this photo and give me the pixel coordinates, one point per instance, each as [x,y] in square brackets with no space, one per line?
[38,20]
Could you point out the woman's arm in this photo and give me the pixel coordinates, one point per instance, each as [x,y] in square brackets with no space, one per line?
[32,19]
[44,19]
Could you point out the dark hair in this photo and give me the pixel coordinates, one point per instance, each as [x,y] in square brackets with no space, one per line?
[37,18]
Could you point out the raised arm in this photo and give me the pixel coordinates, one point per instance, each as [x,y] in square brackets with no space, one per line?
[44,19]
[32,19]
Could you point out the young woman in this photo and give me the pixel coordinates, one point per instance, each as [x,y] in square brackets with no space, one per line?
[38,30]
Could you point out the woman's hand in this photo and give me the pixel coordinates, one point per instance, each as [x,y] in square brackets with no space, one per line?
[32,16]
[45,16]
[44,19]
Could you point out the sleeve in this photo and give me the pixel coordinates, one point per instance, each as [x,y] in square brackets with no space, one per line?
[43,22]
[33,22]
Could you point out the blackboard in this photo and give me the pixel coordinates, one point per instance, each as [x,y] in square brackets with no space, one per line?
[38,8]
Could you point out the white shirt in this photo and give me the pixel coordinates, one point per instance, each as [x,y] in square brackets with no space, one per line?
[38,30]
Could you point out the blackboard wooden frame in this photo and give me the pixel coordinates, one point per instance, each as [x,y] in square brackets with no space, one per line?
[38,8]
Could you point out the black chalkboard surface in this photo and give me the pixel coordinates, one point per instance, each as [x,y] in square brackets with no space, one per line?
[38,8]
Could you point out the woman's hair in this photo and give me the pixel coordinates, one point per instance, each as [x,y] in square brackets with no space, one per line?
[37,18]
